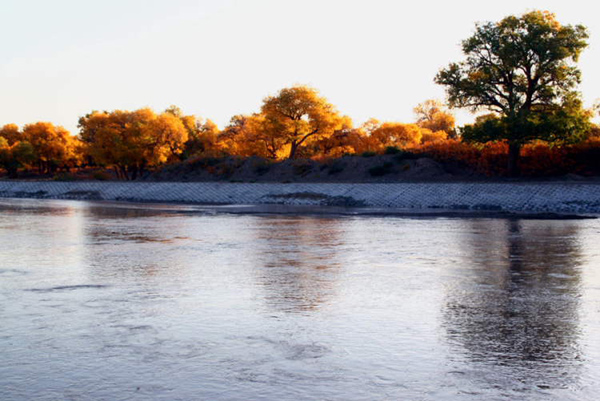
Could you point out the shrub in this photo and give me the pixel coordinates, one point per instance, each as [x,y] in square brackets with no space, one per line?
[64,177]
[379,171]
[392,150]
[261,166]
[100,176]
[368,154]
[302,167]
[336,167]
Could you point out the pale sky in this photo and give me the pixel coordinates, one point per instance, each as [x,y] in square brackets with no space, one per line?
[62,59]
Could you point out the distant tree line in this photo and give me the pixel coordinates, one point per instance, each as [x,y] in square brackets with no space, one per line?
[521,71]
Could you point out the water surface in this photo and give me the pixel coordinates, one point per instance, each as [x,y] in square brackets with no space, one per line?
[135,302]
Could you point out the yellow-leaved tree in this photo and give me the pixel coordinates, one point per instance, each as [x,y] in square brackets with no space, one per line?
[132,141]
[299,115]
[433,115]
[398,135]
[53,146]
[252,135]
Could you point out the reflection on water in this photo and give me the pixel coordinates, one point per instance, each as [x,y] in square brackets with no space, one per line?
[296,261]
[517,308]
[130,302]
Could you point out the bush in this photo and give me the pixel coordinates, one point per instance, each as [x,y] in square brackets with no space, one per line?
[261,166]
[302,167]
[403,156]
[368,154]
[336,167]
[64,177]
[100,176]
[379,171]
[392,150]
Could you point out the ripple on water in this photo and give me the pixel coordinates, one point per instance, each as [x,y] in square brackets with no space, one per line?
[68,288]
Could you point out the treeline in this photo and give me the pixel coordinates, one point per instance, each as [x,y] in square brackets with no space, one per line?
[296,123]
[521,70]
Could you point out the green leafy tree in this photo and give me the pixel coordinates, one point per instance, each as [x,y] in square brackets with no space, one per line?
[522,68]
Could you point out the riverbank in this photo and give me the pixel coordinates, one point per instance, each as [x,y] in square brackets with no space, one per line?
[541,197]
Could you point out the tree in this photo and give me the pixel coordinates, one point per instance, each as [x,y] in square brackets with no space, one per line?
[299,114]
[170,135]
[14,156]
[132,141]
[11,133]
[397,134]
[432,114]
[53,146]
[201,134]
[523,69]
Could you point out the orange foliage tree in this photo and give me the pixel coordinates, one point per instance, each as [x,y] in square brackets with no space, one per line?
[399,135]
[132,141]
[432,115]
[298,115]
[251,135]
[53,146]
[15,155]
[202,136]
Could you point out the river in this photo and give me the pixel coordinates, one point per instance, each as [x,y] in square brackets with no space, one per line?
[108,301]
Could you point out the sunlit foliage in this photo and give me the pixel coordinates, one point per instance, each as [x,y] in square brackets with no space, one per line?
[397,134]
[11,133]
[252,135]
[53,146]
[433,115]
[14,156]
[132,141]
[202,135]
[298,115]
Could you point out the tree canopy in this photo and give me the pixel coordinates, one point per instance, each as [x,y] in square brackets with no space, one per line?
[522,68]
[299,114]
[131,141]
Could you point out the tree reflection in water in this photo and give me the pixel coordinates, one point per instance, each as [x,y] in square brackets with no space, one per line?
[516,306]
[297,261]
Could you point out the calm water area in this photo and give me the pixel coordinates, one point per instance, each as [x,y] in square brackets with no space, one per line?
[103,301]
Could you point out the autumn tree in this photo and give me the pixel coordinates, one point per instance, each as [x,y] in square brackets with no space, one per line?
[14,156]
[523,69]
[132,141]
[11,133]
[346,140]
[432,115]
[202,134]
[298,115]
[397,134]
[53,146]
[428,135]
[170,136]
[252,135]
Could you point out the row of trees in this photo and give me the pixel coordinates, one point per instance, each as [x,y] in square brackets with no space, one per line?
[41,145]
[520,70]
[297,122]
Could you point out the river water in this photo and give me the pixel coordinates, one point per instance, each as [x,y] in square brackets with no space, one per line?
[135,302]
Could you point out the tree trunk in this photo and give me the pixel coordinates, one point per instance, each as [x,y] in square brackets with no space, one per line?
[293,149]
[514,154]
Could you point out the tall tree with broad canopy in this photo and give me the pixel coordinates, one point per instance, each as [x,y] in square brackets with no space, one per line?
[299,114]
[523,69]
